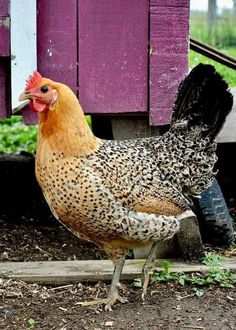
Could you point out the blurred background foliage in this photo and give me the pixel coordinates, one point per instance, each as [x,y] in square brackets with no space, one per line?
[214,23]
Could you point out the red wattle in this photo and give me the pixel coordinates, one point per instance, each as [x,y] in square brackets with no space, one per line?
[37,106]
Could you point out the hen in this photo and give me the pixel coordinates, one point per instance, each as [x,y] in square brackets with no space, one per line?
[125,194]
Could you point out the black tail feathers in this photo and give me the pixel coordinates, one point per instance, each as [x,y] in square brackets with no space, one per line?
[203,99]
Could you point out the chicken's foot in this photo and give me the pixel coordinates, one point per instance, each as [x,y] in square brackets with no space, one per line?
[148,268]
[113,294]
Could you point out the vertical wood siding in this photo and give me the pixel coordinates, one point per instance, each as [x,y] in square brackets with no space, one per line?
[4,35]
[113,43]
[4,7]
[5,109]
[57,40]
[4,28]
[4,61]
[169,29]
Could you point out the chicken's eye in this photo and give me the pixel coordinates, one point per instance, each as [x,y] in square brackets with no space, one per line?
[44,89]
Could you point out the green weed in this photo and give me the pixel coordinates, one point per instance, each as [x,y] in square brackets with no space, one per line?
[213,276]
[212,259]
[216,276]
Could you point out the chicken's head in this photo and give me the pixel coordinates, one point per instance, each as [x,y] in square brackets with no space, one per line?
[40,91]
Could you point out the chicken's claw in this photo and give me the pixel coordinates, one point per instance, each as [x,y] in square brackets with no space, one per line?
[113,294]
[108,302]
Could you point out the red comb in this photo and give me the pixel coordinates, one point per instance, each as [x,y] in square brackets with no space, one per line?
[33,80]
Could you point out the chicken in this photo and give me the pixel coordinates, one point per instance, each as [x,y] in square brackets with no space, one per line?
[122,195]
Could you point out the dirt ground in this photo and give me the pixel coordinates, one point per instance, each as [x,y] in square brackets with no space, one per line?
[30,240]
[26,236]
[170,307]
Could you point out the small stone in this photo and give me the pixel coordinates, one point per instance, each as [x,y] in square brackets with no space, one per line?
[230,298]
[5,255]
[109,323]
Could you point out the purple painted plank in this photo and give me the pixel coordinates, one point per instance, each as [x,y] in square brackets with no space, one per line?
[4,88]
[57,40]
[113,42]
[4,7]
[3,113]
[4,36]
[4,28]
[169,28]
[57,43]
[4,63]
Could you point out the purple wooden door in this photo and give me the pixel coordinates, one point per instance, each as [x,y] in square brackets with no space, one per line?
[100,49]
[113,61]
[4,59]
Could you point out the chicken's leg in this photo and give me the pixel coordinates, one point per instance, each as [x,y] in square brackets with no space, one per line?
[148,270]
[113,294]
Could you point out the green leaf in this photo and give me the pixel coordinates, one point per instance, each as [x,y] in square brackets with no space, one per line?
[198,292]
[31,323]
[182,280]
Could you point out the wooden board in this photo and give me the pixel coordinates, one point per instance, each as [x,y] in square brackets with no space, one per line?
[113,61]
[169,29]
[62,272]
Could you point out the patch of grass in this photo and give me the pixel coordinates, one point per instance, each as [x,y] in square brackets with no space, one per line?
[212,259]
[213,276]
[224,34]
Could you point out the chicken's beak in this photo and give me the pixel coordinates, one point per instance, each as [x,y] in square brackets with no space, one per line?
[25,96]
